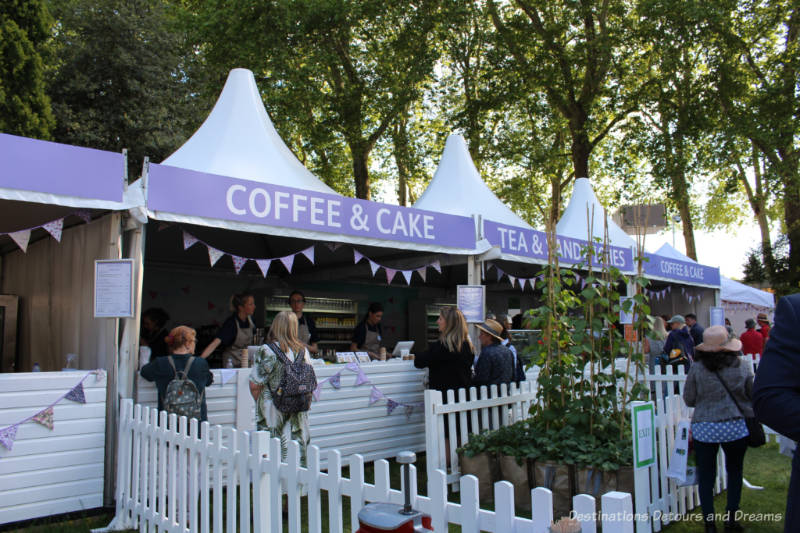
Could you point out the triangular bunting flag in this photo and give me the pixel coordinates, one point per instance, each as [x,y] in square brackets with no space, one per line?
[44,418]
[499,273]
[357,256]
[309,253]
[374,266]
[317,392]
[437,266]
[513,280]
[189,240]
[214,255]
[409,410]
[21,238]
[263,264]
[76,394]
[227,374]
[352,366]
[83,215]
[390,272]
[423,272]
[336,380]
[391,405]
[361,378]
[55,228]
[374,395]
[238,262]
[7,436]
[288,261]
[407,275]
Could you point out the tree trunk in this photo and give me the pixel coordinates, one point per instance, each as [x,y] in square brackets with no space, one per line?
[401,157]
[361,171]
[581,150]
[758,203]
[791,207]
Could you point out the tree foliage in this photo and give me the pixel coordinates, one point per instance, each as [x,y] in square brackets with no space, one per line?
[119,82]
[24,37]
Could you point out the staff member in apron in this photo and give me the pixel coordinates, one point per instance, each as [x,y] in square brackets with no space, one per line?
[306,328]
[236,333]
[367,335]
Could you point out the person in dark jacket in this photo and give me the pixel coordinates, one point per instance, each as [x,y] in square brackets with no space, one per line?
[181,342]
[449,358]
[719,387]
[496,362]
[154,331]
[449,361]
[695,329]
[679,338]
[776,392]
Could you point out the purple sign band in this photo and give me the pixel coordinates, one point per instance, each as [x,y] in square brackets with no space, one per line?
[533,243]
[188,192]
[43,166]
[675,269]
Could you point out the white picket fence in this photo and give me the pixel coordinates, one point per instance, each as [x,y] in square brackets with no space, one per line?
[468,412]
[179,476]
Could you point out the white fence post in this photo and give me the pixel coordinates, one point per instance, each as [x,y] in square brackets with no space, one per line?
[615,508]
[433,399]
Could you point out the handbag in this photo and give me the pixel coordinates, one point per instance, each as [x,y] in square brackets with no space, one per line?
[755,430]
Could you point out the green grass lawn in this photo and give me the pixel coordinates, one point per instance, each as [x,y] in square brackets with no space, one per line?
[763,466]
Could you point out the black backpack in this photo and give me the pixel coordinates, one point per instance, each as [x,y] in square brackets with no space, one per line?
[297,384]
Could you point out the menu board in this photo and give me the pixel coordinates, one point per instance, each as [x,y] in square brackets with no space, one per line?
[113,288]
[471,300]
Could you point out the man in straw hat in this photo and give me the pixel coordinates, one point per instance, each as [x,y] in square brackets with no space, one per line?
[495,364]
[776,391]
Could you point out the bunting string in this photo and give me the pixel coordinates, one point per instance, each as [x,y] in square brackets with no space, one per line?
[45,416]
[375,394]
[215,254]
[421,271]
[54,227]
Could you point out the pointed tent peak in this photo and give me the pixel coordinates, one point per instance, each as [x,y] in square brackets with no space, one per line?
[457,188]
[574,221]
[667,250]
[239,140]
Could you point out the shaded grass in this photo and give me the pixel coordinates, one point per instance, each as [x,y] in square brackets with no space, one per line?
[764,467]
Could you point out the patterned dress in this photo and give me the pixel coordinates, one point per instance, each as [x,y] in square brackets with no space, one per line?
[267,372]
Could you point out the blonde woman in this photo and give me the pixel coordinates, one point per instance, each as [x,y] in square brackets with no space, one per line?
[654,342]
[266,375]
[449,359]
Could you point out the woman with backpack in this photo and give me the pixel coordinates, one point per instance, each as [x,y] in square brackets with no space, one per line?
[282,382]
[181,378]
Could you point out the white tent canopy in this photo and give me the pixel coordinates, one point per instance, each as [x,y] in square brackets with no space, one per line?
[730,290]
[574,223]
[239,140]
[457,188]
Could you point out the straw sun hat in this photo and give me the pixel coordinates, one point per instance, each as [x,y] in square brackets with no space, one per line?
[492,327]
[717,339]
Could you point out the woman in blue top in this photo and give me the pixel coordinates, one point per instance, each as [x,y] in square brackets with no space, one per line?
[714,388]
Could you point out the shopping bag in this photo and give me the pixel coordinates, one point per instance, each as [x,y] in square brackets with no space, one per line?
[680,453]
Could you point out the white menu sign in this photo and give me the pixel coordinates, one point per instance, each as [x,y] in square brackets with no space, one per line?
[113,288]
[471,300]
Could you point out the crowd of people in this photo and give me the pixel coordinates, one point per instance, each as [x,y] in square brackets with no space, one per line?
[718,386]
[721,391]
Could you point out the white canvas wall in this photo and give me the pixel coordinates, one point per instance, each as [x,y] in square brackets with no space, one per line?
[55,283]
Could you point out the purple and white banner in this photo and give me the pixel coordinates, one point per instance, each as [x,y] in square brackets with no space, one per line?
[533,243]
[187,192]
[48,167]
[675,269]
